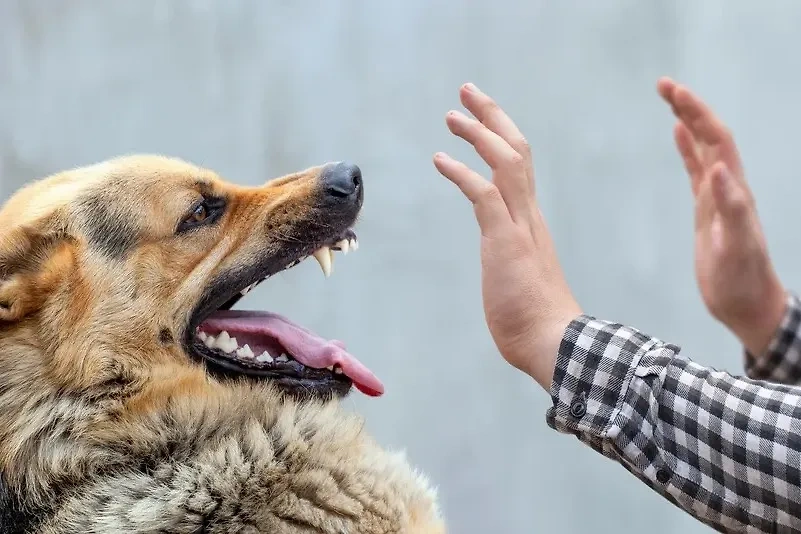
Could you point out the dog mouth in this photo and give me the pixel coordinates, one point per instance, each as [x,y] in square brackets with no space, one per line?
[266,345]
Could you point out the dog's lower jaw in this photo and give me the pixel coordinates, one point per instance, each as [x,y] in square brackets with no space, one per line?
[268,465]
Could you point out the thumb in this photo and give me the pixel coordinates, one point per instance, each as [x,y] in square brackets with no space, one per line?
[731,199]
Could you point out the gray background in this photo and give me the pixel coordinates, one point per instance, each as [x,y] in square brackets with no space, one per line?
[257,89]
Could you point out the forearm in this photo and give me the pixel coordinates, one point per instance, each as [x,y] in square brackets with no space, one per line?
[720,447]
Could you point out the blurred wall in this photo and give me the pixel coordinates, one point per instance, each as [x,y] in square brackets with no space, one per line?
[255,89]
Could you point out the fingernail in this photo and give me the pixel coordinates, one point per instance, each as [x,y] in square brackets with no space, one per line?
[470,88]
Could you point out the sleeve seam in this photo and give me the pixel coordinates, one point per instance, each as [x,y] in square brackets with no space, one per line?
[616,418]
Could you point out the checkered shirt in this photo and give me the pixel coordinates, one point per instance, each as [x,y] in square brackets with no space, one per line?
[725,449]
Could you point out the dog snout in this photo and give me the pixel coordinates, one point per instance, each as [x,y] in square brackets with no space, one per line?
[343,182]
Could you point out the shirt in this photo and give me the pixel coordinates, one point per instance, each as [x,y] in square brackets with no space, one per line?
[726,449]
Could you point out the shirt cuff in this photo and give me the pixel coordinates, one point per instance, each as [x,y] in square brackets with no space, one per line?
[594,367]
[781,362]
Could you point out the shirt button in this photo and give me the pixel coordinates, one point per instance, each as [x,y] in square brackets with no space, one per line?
[578,409]
[662,475]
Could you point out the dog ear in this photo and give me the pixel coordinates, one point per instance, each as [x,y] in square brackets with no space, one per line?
[33,259]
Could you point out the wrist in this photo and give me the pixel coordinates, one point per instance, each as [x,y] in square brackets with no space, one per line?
[757,330]
[545,349]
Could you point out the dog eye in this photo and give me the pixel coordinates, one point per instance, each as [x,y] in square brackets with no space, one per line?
[200,213]
[205,212]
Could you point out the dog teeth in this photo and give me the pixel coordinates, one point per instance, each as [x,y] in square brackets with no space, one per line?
[325,254]
[202,335]
[337,369]
[225,342]
[244,351]
[282,358]
[210,341]
[264,357]
[343,245]
[247,289]
[325,257]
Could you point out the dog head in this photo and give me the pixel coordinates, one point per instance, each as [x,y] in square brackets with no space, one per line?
[130,267]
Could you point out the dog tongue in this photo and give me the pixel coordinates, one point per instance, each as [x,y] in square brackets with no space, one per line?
[306,347]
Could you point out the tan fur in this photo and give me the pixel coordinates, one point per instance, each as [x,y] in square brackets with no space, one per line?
[107,427]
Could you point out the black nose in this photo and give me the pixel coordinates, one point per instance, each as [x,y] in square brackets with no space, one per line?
[343,181]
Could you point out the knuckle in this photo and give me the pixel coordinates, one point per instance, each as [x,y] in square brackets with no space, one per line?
[522,145]
[489,193]
[516,159]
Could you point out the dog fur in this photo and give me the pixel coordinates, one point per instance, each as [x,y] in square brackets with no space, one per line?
[106,423]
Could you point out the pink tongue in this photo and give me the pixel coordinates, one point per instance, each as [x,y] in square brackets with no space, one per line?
[306,347]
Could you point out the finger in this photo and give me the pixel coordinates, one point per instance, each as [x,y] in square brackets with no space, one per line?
[689,154]
[491,211]
[492,148]
[731,199]
[509,167]
[490,114]
[705,126]
[665,87]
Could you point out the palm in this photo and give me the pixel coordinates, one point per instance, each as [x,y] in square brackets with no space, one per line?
[505,270]
[710,253]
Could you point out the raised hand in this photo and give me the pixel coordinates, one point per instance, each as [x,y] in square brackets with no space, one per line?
[527,302]
[735,275]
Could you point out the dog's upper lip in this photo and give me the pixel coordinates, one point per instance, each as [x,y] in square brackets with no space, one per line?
[225,299]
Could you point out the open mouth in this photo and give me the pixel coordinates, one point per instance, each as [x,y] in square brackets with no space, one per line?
[266,345]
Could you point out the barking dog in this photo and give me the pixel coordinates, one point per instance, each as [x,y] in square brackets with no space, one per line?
[134,399]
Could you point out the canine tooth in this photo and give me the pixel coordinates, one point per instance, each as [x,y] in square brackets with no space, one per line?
[209,341]
[264,357]
[282,358]
[344,245]
[324,257]
[244,351]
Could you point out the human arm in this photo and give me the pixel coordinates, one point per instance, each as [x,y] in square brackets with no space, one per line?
[637,391]
[722,448]
[733,268]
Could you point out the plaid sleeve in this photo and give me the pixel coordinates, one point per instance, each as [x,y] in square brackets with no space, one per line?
[782,361]
[727,450]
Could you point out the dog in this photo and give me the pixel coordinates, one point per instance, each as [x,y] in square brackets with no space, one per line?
[134,398]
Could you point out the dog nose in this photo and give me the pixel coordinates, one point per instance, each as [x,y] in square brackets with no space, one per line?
[343,181]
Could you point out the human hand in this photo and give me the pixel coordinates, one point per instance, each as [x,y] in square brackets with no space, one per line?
[732,266]
[527,302]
